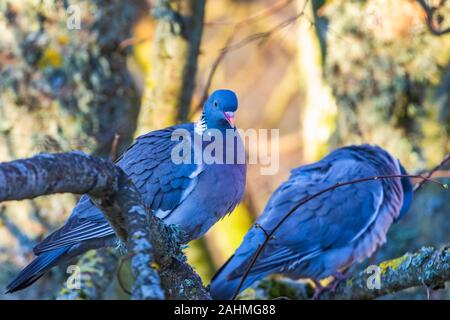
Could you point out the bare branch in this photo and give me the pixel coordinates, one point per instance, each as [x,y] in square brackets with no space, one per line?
[267,11]
[214,67]
[431,19]
[262,36]
[114,145]
[444,161]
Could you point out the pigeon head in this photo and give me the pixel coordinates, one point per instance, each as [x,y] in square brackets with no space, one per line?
[407,192]
[218,111]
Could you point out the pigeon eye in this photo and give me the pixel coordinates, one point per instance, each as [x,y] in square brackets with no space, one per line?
[216,104]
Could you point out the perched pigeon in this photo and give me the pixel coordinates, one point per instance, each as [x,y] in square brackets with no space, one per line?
[192,195]
[329,233]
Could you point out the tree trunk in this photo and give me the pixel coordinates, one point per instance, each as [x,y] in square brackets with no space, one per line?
[318,114]
[176,44]
[64,85]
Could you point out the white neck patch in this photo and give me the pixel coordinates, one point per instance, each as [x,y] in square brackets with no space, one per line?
[200,125]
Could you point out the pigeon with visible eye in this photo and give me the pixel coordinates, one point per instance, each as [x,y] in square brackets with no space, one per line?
[192,195]
[330,232]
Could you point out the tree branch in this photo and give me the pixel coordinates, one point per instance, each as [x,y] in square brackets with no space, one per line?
[178,278]
[114,193]
[175,49]
[97,269]
[428,266]
[261,36]
[107,185]
[432,19]
[430,173]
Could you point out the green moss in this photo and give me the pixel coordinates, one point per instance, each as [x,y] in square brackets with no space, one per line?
[51,58]
[64,291]
[393,264]
[349,282]
[155,266]
[277,289]
[247,294]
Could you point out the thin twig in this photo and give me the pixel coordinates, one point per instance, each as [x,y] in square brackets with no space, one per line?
[214,67]
[431,19]
[132,41]
[115,143]
[444,161]
[261,36]
[274,8]
[309,198]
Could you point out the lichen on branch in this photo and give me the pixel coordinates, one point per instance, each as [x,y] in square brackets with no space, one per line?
[428,267]
[146,236]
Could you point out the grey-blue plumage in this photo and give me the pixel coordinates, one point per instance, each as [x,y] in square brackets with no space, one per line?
[192,195]
[328,233]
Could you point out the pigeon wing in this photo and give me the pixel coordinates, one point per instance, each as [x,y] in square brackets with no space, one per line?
[162,183]
[331,220]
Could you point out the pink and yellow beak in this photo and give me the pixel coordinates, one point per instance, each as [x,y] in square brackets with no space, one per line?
[230,118]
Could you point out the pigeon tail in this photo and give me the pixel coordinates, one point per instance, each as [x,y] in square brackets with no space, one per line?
[36,269]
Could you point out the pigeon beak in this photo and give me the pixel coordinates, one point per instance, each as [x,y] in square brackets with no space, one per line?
[230,118]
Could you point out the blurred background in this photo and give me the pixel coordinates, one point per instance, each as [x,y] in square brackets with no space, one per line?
[73,74]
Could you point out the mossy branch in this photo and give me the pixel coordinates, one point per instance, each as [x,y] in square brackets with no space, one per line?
[146,236]
[428,267]
[97,270]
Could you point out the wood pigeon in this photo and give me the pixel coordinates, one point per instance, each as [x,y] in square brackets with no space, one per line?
[192,195]
[328,233]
